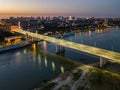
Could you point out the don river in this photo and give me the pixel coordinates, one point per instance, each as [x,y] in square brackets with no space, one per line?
[27,67]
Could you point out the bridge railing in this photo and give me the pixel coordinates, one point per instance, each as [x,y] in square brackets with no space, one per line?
[81,47]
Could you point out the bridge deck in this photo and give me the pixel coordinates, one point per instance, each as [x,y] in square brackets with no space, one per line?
[81,47]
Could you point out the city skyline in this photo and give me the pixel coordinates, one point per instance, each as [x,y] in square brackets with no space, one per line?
[59,44]
[96,8]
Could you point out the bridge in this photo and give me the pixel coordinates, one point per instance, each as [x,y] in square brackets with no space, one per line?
[103,54]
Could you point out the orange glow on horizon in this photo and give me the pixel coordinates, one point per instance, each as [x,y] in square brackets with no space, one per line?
[59,7]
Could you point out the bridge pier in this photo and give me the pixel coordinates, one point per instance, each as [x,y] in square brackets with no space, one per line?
[110,55]
[103,61]
[59,48]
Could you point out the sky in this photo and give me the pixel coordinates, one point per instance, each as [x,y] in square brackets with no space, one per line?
[60,7]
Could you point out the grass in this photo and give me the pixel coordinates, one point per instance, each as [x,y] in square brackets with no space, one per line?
[103,80]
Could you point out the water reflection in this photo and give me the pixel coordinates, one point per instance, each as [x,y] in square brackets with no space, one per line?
[25,51]
[39,59]
[34,52]
[45,62]
[18,57]
[34,49]
[53,66]
[32,72]
[62,69]
[45,45]
[99,31]
[89,33]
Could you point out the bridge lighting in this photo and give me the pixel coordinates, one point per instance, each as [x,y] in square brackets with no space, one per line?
[110,55]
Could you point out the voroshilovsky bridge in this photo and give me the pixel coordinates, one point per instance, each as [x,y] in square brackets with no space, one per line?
[103,54]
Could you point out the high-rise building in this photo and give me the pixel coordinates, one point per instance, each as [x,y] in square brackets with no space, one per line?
[19,25]
[70,18]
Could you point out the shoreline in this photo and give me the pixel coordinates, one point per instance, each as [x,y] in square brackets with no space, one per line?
[15,46]
[63,78]
[67,77]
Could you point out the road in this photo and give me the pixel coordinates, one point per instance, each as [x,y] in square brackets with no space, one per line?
[110,55]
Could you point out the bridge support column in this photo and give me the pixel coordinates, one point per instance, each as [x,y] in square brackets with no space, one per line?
[103,61]
[59,48]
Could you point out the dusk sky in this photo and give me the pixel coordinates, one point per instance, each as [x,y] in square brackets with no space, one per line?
[60,7]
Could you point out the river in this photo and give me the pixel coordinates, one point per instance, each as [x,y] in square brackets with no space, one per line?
[24,68]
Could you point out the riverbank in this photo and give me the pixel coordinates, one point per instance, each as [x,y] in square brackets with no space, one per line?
[84,78]
[17,45]
[14,46]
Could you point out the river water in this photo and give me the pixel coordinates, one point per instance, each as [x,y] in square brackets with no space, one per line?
[24,68]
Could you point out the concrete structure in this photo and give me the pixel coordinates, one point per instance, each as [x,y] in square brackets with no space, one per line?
[103,61]
[103,54]
[19,26]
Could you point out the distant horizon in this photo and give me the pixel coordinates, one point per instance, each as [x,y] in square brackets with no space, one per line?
[83,8]
[77,16]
